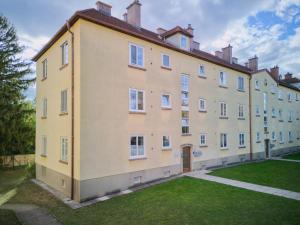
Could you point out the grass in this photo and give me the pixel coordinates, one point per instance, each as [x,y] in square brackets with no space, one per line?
[8,217]
[295,156]
[278,174]
[181,201]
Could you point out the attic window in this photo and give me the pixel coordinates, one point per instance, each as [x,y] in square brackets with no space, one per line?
[266,82]
[183,42]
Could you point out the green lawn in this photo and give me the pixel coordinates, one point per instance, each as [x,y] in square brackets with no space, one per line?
[181,201]
[8,217]
[295,156]
[279,174]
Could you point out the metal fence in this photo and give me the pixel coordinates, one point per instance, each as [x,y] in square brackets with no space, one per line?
[16,160]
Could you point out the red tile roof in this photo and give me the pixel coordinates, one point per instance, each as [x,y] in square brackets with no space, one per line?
[291,80]
[175,30]
[94,16]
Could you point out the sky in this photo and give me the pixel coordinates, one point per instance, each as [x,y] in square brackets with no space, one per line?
[269,29]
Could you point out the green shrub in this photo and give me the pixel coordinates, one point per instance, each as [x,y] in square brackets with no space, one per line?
[30,170]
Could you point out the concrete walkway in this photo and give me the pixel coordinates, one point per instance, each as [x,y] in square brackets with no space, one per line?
[288,160]
[249,186]
[31,214]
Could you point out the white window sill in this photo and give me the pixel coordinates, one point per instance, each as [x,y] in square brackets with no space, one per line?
[137,67]
[166,107]
[223,86]
[241,118]
[166,148]
[166,67]
[203,146]
[225,148]
[242,146]
[241,90]
[203,110]
[137,112]
[202,76]
[137,158]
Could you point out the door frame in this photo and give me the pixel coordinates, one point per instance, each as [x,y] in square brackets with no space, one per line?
[190,157]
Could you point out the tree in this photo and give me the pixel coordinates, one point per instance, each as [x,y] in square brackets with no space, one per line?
[16,115]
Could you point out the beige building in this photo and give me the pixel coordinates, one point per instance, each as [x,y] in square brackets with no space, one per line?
[119,105]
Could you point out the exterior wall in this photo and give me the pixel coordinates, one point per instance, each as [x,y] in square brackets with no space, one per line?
[56,125]
[107,124]
[274,124]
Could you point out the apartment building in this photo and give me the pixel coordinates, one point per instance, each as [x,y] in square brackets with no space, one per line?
[119,105]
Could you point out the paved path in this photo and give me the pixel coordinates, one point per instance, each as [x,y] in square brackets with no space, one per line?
[31,214]
[288,160]
[245,185]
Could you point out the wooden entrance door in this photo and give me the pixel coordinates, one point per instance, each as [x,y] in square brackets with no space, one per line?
[186,159]
[267,148]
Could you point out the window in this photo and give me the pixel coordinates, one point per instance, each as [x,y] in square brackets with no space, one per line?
[298,115]
[44,146]
[202,105]
[273,112]
[273,136]
[64,54]
[166,101]
[136,100]
[185,122]
[136,57]
[45,68]
[64,149]
[44,108]
[290,116]
[257,111]
[223,79]
[203,140]
[289,97]
[297,97]
[281,138]
[201,71]
[241,84]
[166,142]
[241,140]
[257,84]
[137,148]
[241,111]
[280,114]
[64,101]
[184,91]
[273,89]
[223,141]
[280,97]
[183,42]
[165,60]
[257,137]
[290,136]
[223,109]
[265,102]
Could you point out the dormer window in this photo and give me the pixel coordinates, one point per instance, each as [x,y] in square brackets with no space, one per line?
[183,42]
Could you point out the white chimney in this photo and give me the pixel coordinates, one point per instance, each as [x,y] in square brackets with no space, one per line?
[103,8]
[134,13]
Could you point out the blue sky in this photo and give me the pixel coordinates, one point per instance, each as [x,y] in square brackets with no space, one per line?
[269,29]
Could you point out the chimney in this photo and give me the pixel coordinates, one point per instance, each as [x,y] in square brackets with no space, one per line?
[125,17]
[227,53]
[247,64]
[235,60]
[288,76]
[275,72]
[103,8]
[219,54]
[196,45]
[190,29]
[134,13]
[160,30]
[253,63]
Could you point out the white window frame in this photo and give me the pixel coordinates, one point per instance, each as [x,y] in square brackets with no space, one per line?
[204,105]
[281,137]
[44,145]
[273,89]
[238,83]
[137,156]
[162,101]
[290,97]
[186,42]
[64,149]
[273,136]
[257,85]
[223,110]
[162,60]
[241,115]
[290,136]
[64,101]
[224,141]
[258,137]
[257,110]
[137,91]
[44,108]
[280,95]
[138,48]
[170,144]
[242,141]
[280,114]
[64,53]
[203,144]
[223,82]
[290,119]
[44,69]
[273,112]
[201,72]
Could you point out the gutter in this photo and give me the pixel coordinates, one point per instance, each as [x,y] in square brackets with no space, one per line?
[250,119]
[72,116]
